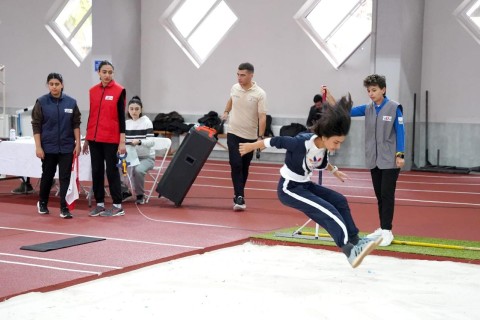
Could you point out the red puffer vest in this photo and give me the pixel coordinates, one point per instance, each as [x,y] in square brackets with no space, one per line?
[103,123]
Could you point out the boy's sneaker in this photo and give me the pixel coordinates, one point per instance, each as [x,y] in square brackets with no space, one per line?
[239,203]
[360,251]
[96,212]
[23,188]
[375,234]
[113,212]
[65,213]
[387,236]
[42,207]
[140,199]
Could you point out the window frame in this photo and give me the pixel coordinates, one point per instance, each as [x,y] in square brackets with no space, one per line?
[167,22]
[65,42]
[461,14]
[301,18]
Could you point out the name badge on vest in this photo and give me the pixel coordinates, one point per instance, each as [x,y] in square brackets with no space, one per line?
[387,118]
[108,97]
[68,110]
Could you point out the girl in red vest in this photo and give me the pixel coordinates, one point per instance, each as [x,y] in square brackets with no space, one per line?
[105,139]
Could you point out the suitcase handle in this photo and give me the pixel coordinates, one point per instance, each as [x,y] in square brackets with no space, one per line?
[210,131]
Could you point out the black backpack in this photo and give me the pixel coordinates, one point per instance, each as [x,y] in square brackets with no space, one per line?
[268,127]
[212,120]
[292,129]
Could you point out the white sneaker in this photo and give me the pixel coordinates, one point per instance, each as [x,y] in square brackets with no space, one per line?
[375,234]
[387,236]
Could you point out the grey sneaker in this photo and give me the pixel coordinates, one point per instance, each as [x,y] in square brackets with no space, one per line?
[42,208]
[96,212]
[377,241]
[65,213]
[360,251]
[113,212]
[239,204]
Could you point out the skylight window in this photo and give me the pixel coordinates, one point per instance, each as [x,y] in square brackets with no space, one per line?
[71,26]
[337,28]
[198,26]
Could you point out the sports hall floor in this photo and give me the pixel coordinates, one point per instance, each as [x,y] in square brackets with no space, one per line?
[428,204]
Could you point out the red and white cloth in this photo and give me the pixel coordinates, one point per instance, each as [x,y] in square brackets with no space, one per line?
[73,187]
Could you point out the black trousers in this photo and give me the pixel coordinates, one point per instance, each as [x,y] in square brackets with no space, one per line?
[384,185]
[239,165]
[49,167]
[104,159]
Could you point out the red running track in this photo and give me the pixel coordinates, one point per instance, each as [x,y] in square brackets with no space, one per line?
[428,204]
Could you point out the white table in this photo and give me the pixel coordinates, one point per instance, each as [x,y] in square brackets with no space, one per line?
[18,158]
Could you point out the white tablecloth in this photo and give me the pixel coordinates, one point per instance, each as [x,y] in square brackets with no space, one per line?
[17,158]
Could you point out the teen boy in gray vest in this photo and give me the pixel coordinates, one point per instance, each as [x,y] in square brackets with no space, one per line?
[384,149]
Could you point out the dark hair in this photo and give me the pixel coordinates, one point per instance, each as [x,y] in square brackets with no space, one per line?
[105,63]
[317,98]
[135,100]
[335,120]
[246,66]
[375,80]
[57,76]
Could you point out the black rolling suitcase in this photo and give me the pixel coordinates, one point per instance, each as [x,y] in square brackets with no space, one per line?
[186,164]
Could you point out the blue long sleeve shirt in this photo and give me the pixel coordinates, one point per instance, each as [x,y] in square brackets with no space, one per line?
[359,111]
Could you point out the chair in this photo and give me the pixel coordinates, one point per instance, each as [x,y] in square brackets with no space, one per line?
[161,144]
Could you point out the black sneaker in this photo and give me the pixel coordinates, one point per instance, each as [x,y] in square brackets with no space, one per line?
[239,203]
[140,199]
[42,207]
[23,188]
[65,213]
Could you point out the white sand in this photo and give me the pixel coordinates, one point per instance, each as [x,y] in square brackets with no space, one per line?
[263,282]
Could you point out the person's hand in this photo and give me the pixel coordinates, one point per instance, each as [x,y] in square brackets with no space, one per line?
[77,149]
[245,148]
[400,162]
[40,153]
[85,147]
[121,148]
[340,175]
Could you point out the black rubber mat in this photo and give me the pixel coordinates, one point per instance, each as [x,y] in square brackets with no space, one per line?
[59,244]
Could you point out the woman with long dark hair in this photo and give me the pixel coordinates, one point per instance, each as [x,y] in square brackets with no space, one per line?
[105,139]
[309,151]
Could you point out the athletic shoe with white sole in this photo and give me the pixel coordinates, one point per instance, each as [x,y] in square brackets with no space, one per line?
[360,251]
[387,236]
[239,204]
[96,212]
[65,213]
[375,234]
[113,212]
[42,207]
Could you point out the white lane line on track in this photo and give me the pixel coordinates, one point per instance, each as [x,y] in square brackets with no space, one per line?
[360,187]
[49,267]
[108,238]
[355,196]
[350,178]
[57,260]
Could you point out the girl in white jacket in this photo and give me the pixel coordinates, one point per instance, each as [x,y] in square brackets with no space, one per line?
[139,134]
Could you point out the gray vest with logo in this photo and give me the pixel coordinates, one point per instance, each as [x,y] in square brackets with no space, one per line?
[380,136]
